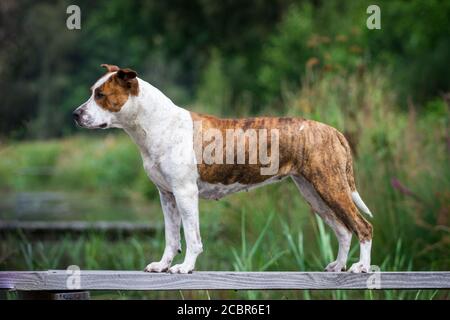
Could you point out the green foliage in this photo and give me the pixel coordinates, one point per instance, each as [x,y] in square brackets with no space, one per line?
[287,51]
[214,93]
[29,165]
[384,89]
[111,165]
[226,58]
[414,41]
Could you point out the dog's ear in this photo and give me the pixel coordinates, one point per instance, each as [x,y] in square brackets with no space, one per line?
[126,74]
[110,67]
[127,79]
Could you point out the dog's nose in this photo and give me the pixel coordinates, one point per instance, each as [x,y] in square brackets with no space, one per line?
[77,115]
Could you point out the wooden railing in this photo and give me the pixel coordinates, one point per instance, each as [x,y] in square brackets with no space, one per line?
[52,229]
[61,284]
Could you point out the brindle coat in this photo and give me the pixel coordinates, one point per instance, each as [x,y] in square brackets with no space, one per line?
[307,150]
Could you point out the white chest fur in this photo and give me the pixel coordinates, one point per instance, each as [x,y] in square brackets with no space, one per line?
[164,134]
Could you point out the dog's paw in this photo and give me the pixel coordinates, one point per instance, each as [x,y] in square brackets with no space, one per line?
[359,267]
[156,267]
[335,266]
[181,268]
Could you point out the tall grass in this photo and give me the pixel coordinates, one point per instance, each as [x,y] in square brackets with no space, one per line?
[249,252]
[401,166]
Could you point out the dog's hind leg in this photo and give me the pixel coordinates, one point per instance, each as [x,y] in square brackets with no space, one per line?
[333,189]
[343,234]
[172,222]
[327,165]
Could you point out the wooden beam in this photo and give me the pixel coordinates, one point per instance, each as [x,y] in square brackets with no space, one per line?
[52,295]
[47,229]
[202,280]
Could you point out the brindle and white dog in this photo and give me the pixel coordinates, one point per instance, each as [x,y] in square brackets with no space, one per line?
[316,156]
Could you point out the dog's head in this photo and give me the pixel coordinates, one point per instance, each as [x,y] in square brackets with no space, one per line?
[110,100]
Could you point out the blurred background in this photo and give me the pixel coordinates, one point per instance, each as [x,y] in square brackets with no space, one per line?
[387,90]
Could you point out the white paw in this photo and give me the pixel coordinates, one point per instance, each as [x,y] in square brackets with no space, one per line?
[335,266]
[156,267]
[359,267]
[181,268]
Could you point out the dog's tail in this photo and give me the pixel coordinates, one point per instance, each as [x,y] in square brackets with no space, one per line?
[350,178]
[360,204]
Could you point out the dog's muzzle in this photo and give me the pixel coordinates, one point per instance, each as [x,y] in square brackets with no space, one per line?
[77,116]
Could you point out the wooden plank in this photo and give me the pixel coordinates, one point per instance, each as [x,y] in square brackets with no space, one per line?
[51,295]
[134,280]
[48,229]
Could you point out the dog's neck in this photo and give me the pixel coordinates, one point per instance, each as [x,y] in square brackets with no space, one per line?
[151,117]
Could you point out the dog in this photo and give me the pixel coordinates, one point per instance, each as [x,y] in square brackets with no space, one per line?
[185,156]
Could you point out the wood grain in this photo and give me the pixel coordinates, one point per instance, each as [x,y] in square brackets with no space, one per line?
[134,280]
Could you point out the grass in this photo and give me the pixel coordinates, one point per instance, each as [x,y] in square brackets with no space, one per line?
[255,253]
[401,167]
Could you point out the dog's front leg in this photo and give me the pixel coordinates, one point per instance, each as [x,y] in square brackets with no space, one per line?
[187,203]
[172,221]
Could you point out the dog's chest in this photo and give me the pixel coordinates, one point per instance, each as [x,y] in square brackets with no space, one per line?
[155,174]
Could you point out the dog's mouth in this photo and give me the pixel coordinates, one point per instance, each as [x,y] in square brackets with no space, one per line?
[86,126]
[80,124]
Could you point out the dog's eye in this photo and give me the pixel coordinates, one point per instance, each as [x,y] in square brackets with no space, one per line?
[99,95]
